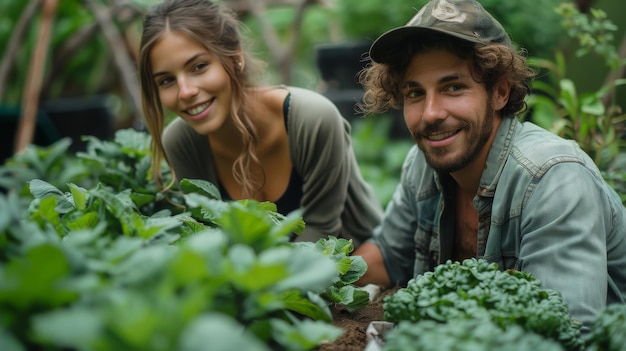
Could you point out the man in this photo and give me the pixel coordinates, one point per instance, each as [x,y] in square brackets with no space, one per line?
[479,183]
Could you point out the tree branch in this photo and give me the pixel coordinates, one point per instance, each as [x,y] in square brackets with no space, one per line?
[30,100]
[125,64]
[17,37]
[282,54]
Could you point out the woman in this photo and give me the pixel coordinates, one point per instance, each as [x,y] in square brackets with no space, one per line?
[281,144]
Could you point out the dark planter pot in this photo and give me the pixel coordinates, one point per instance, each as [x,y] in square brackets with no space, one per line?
[56,119]
[339,65]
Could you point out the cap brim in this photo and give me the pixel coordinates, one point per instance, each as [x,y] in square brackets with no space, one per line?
[385,47]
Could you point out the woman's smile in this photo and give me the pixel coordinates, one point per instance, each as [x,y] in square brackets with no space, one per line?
[196,112]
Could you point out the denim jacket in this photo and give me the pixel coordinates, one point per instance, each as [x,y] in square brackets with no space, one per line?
[543,208]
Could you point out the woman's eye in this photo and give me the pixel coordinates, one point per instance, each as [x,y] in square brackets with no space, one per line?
[164,81]
[200,66]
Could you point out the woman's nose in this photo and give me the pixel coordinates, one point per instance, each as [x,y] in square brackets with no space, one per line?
[186,88]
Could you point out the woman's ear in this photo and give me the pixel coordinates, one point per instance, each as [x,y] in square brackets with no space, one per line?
[240,62]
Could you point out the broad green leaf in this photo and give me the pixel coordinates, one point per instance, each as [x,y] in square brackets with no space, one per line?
[217,332]
[188,267]
[74,328]
[259,277]
[591,104]
[205,209]
[343,263]
[134,319]
[9,342]
[309,270]
[150,227]
[79,195]
[305,334]
[246,222]
[44,212]
[360,299]
[311,306]
[40,189]
[544,111]
[132,141]
[568,97]
[286,225]
[358,267]
[84,221]
[144,266]
[260,305]
[335,295]
[56,152]
[120,206]
[141,199]
[212,245]
[121,248]
[242,257]
[252,274]
[5,213]
[49,265]
[542,86]
[201,187]
[191,223]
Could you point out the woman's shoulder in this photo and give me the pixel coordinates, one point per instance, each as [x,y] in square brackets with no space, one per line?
[178,133]
[308,106]
[308,97]
[176,128]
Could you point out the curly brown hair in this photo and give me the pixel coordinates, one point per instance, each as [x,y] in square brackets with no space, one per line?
[489,64]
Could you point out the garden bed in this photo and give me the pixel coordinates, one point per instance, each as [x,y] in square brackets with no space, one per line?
[355,324]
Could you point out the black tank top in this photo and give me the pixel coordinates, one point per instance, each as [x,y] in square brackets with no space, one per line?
[290,200]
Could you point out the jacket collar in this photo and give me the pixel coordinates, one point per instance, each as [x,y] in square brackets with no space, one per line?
[500,149]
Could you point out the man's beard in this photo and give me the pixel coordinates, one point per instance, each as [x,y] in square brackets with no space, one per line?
[472,151]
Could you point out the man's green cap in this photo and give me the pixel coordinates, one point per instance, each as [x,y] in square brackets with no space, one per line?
[465,19]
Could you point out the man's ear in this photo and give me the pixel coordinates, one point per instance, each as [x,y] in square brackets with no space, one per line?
[500,95]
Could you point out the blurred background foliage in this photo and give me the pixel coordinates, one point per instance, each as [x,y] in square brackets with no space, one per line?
[94,43]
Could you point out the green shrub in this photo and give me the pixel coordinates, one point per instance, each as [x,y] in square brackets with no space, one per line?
[476,289]
[608,331]
[116,266]
[464,335]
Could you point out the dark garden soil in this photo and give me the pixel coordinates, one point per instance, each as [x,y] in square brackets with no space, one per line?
[355,325]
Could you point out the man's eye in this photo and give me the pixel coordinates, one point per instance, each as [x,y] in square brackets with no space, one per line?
[411,94]
[455,87]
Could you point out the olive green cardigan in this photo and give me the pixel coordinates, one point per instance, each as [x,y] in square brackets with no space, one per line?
[335,201]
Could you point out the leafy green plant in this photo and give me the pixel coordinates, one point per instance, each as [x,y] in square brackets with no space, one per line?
[379,156]
[101,267]
[465,334]
[82,59]
[128,281]
[608,331]
[476,289]
[54,163]
[593,119]
[350,268]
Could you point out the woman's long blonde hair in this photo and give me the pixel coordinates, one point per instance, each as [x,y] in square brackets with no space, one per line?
[218,30]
